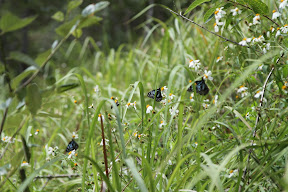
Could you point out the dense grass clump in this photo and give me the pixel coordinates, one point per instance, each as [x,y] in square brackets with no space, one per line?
[184,108]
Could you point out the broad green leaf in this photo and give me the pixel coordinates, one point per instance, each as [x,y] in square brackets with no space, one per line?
[10,22]
[42,57]
[21,57]
[16,80]
[195,4]
[91,9]
[58,16]
[33,98]
[65,28]
[74,4]
[88,21]
[258,6]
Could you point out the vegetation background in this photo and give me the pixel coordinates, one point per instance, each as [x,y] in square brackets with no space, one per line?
[75,115]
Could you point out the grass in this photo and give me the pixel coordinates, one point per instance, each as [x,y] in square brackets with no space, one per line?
[197,149]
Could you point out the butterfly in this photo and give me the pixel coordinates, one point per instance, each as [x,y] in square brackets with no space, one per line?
[72,145]
[151,94]
[201,87]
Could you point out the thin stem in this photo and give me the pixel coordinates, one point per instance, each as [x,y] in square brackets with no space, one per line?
[258,118]
[104,148]
[235,3]
[57,176]
[226,39]
[3,120]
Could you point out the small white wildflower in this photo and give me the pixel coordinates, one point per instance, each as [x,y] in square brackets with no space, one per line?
[192,97]
[217,24]
[195,144]
[106,142]
[195,64]
[37,132]
[207,75]
[91,106]
[171,96]
[162,124]
[96,89]
[236,11]
[74,135]
[256,19]
[163,101]
[276,14]
[173,110]
[52,151]
[232,173]
[247,115]
[266,47]
[164,91]
[219,13]
[242,90]
[260,67]
[284,29]
[24,164]
[101,116]
[71,154]
[215,100]
[219,59]
[245,41]
[278,32]
[283,4]
[258,94]
[149,109]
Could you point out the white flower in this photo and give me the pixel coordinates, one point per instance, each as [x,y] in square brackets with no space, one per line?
[207,75]
[51,151]
[284,29]
[260,38]
[134,105]
[245,41]
[283,4]
[205,104]
[272,29]
[195,144]
[162,124]
[256,19]
[258,94]
[71,154]
[232,173]
[100,116]
[192,97]
[219,59]
[6,139]
[96,89]
[276,14]
[195,64]
[171,96]
[242,90]
[236,11]
[260,67]
[37,132]
[163,101]
[216,25]
[164,91]
[24,163]
[74,135]
[91,106]
[149,109]
[266,47]
[173,111]
[278,32]
[219,13]
[247,115]
[215,100]
[106,142]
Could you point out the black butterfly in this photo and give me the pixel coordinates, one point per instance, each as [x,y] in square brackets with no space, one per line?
[201,87]
[151,94]
[72,145]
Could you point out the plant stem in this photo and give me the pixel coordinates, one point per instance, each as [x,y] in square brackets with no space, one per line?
[104,149]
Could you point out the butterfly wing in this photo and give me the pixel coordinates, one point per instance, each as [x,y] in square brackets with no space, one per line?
[201,87]
[152,93]
[190,89]
[71,146]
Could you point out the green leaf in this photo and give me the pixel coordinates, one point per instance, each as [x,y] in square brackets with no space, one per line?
[65,28]
[67,87]
[42,57]
[58,16]
[88,21]
[26,149]
[210,12]
[195,4]
[10,22]
[74,4]
[16,80]
[258,6]
[33,98]
[21,57]
[91,9]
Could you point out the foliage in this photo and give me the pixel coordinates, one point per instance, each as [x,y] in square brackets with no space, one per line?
[229,136]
